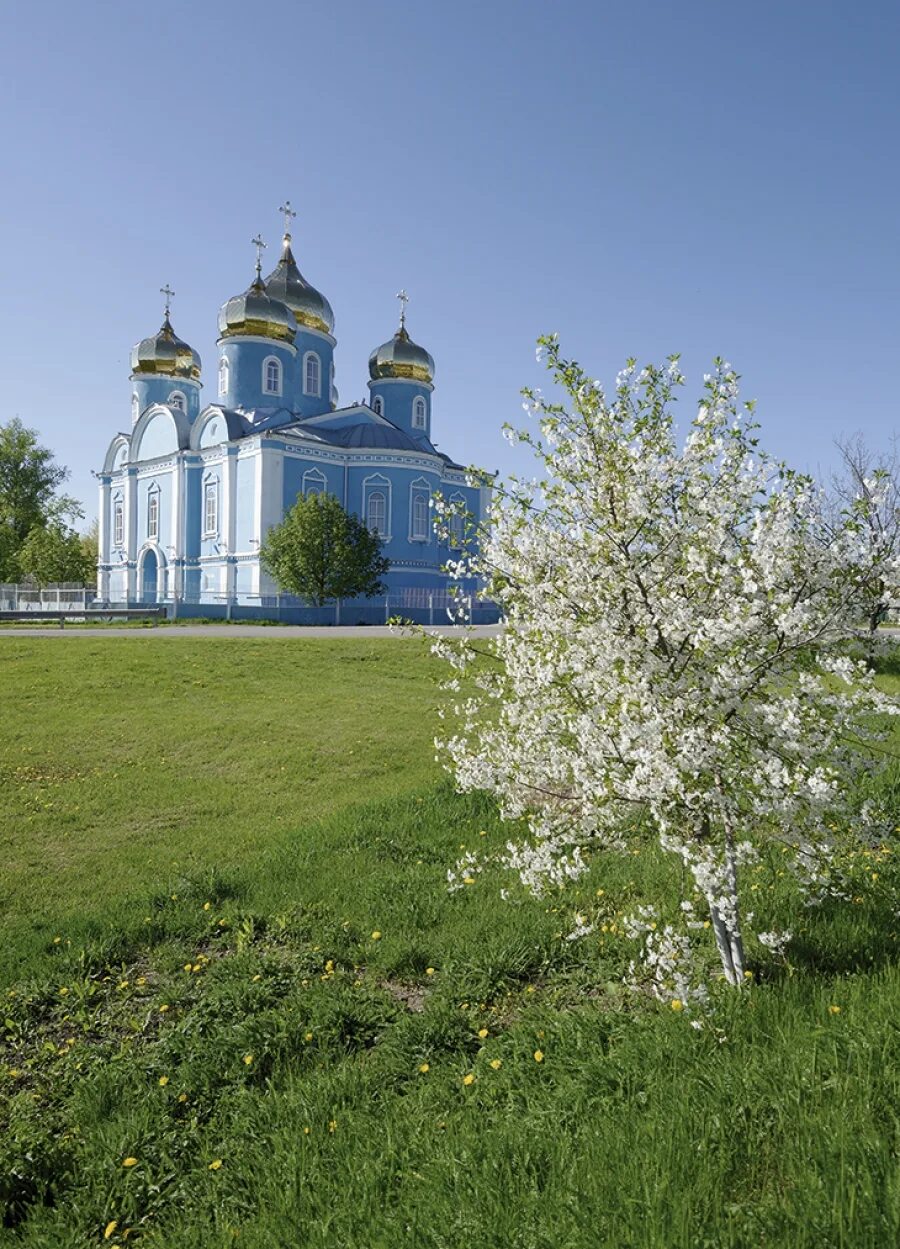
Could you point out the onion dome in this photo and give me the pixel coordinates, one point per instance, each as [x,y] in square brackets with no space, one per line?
[287,284]
[256,312]
[400,356]
[165,355]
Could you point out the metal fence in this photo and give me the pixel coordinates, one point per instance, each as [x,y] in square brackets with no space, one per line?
[67,595]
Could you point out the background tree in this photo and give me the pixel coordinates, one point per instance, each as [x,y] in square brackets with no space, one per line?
[321,552]
[865,493]
[674,651]
[29,478]
[90,545]
[54,552]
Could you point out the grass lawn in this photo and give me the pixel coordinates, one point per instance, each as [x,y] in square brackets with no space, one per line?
[242,1009]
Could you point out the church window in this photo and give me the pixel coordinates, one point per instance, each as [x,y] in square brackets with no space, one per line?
[419,517]
[223,377]
[118,523]
[377,517]
[135,408]
[272,376]
[457,520]
[378,405]
[177,400]
[419,413]
[312,382]
[313,482]
[211,507]
[153,514]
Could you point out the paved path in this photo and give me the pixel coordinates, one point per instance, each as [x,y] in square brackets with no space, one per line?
[273,632]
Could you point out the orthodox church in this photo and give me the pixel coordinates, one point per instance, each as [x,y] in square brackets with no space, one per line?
[188,495]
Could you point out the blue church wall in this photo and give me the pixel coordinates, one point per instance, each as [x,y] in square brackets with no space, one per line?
[398,398]
[210,540]
[192,520]
[245,496]
[308,476]
[310,343]
[148,389]
[157,438]
[159,485]
[245,359]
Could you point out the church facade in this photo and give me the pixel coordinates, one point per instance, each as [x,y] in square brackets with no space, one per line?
[189,493]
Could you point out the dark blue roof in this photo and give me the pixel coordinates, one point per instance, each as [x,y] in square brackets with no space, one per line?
[367,434]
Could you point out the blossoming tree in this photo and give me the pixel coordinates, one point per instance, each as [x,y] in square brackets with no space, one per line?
[674,645]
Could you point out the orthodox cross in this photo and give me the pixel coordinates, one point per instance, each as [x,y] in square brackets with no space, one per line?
[288,214]
[259,245]
[404,300]
[169,293]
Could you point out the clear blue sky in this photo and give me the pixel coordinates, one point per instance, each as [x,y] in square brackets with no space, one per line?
[642,177]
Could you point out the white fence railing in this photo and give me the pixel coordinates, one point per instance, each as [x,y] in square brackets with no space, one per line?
[26,597]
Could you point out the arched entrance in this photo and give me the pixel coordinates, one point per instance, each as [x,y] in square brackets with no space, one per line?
[149,585]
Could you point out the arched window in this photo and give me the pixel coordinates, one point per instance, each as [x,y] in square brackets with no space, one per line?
[457,520]
[313,482]
[118,523]
[312,374]
[211,507]
[419,517]
[419,413]
[223,376]
[271,376]
[377,512]
[153,512]
[378,405]
[178,400]
[135,408]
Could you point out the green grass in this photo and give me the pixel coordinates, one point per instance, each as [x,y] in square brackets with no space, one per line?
[211,846]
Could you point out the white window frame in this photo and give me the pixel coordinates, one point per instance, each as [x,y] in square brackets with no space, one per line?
[278,388]
[178,399]
[118,525]
[376,484]
[307,361]
[211,492]
[224,372]
[419,492]
[135,407]
[314,482]
[153,513]
[419,413]
[378,405]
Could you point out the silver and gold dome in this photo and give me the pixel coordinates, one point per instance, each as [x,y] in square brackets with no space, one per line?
[165,355]
[257,313]
[401,357]
[287,284]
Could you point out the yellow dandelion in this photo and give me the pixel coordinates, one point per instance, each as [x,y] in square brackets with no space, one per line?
[56,941]
[63,991]
[207,905]
[306,1131]
[129,1162]
[538,1056]
[834,1010]
[424,1068]
[676,1004]
[496,1063]
[468,1079]
[216,1164]
[110,1228]
[376,935]
[332,1125]
[182,1097]
[141,980]
[530,989]
[197,967]
[123,984]
[429,971]
[163,1008]
[308,1037]
[468,880]
[163,1081]
[248,1059]
[256,978]
[482,1032]
[188,966]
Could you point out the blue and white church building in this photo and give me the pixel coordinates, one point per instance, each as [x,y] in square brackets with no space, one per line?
[189,493]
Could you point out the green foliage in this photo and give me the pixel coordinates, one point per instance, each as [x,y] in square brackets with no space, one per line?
[242,886]
[321,552]
[54,552]
[29,477]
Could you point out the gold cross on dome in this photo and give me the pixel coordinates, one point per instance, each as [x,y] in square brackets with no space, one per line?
[169,294]
[288,214]
[404,300]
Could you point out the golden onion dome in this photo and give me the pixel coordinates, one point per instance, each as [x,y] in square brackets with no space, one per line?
[287,284]
[401,357]
[165,354]
[257,313]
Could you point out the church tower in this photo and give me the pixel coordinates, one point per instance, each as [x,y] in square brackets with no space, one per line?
[314,393]
[164,370]
[401,380]
[257,354]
